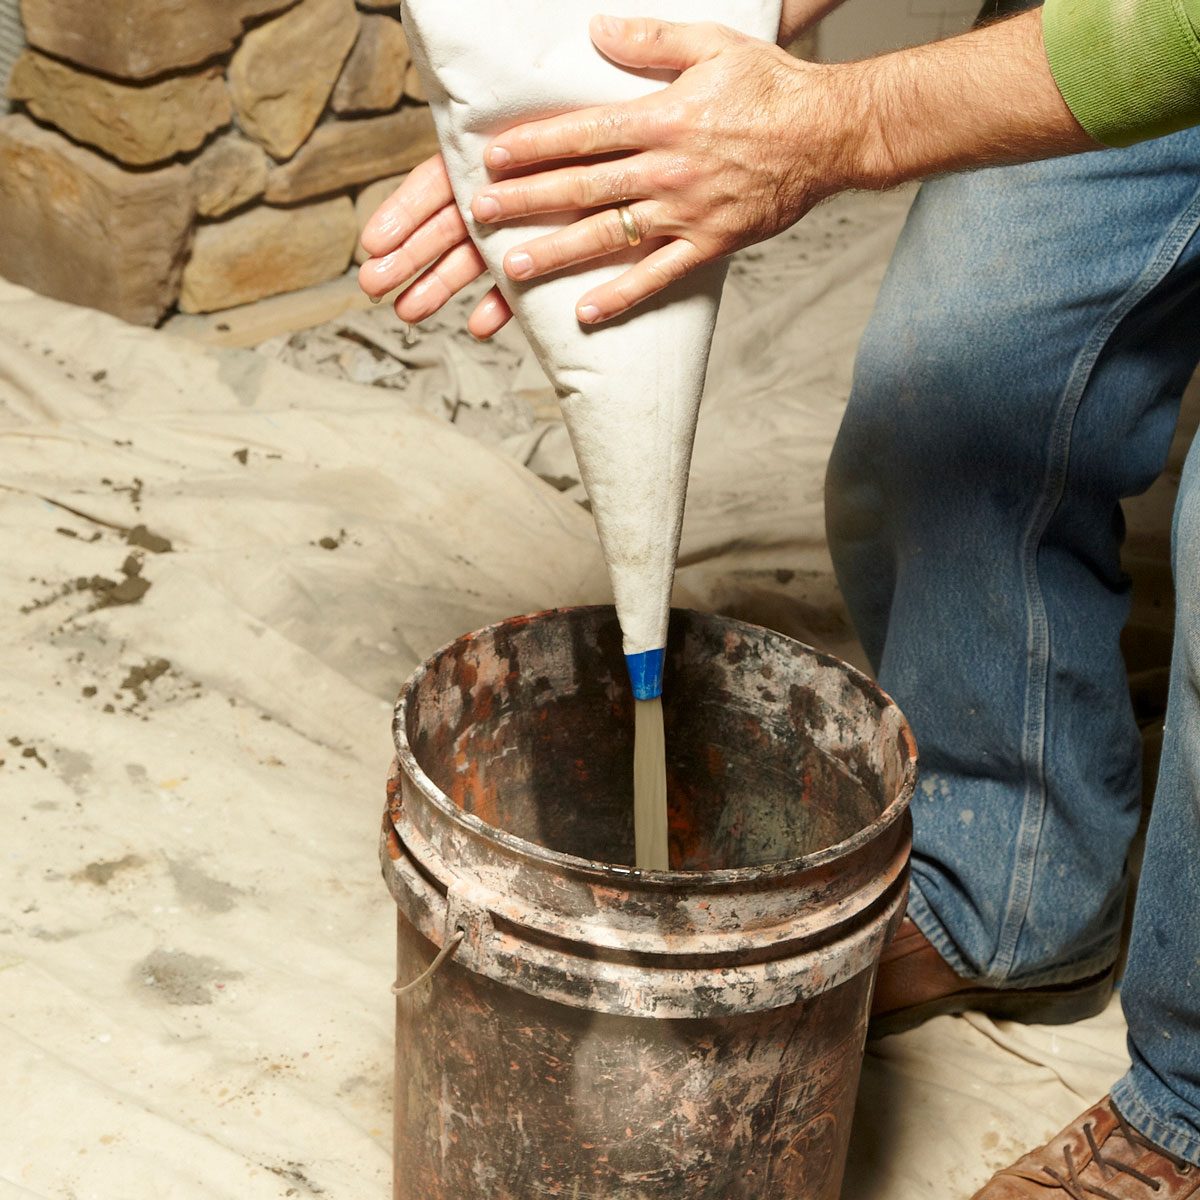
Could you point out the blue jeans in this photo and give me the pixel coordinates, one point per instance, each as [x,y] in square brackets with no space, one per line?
[1021,374]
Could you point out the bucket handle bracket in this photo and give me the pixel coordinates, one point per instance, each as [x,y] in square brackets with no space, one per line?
[468,927]
[470,921]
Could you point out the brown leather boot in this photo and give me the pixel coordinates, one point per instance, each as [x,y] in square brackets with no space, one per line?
[915,983]
[1099,1154]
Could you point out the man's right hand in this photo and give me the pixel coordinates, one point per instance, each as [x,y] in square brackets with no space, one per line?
[418,231]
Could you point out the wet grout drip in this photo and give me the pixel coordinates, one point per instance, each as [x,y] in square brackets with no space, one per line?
[650,787]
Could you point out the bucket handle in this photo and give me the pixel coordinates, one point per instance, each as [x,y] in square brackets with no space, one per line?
[433,968]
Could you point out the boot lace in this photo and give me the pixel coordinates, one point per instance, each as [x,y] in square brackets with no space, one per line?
[1079,1189]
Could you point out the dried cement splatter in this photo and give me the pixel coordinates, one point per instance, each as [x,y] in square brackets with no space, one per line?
[181,978]
[146,539]
[32,752]
[198,890]
[101,873]
[332,543]
[132,490]
[294,1172]
[73,766]
[108,592]
[140,677]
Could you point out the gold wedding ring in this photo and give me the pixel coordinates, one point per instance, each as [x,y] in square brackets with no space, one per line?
[633,235]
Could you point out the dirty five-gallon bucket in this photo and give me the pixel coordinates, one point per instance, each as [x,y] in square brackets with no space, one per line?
[592,1032]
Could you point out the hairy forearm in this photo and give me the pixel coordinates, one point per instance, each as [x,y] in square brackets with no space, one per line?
[983,98]
[799,15]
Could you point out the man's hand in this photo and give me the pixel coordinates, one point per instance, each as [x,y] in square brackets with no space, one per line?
[709,167]
[747,139]
[740,146]
[418,228]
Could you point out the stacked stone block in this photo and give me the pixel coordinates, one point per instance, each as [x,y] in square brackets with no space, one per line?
[199,153]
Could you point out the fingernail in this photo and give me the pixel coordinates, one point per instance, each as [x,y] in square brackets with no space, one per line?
[519,264]
[487,208]
[375,299]
[609,26]
[497,156]
[588,313]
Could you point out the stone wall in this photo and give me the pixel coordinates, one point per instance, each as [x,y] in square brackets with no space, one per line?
[199,153]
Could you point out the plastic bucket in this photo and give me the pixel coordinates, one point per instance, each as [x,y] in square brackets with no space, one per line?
[594,1031]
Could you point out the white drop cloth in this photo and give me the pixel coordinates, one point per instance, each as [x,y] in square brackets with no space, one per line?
[195,944]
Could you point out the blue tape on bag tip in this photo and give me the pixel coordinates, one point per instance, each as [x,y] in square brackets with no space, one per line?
[646,673]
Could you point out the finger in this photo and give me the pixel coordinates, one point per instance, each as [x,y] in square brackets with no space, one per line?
[581,134]
[637,43]
[490,316]
[563,190]
[597,236]
[664,45]
[425,190]
[443,231]
[655,272]
[446,278]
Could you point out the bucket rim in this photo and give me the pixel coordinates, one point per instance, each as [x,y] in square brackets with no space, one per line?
[628,876]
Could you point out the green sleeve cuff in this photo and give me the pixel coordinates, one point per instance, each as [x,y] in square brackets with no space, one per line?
[1128,69]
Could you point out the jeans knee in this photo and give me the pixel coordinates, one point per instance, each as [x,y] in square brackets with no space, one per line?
[911,386]
[927,376]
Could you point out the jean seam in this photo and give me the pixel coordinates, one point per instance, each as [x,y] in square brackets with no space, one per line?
[1075,971]
[1029,832]
[1129,1102]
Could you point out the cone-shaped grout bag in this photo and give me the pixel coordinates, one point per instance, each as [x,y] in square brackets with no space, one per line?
[629,390]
